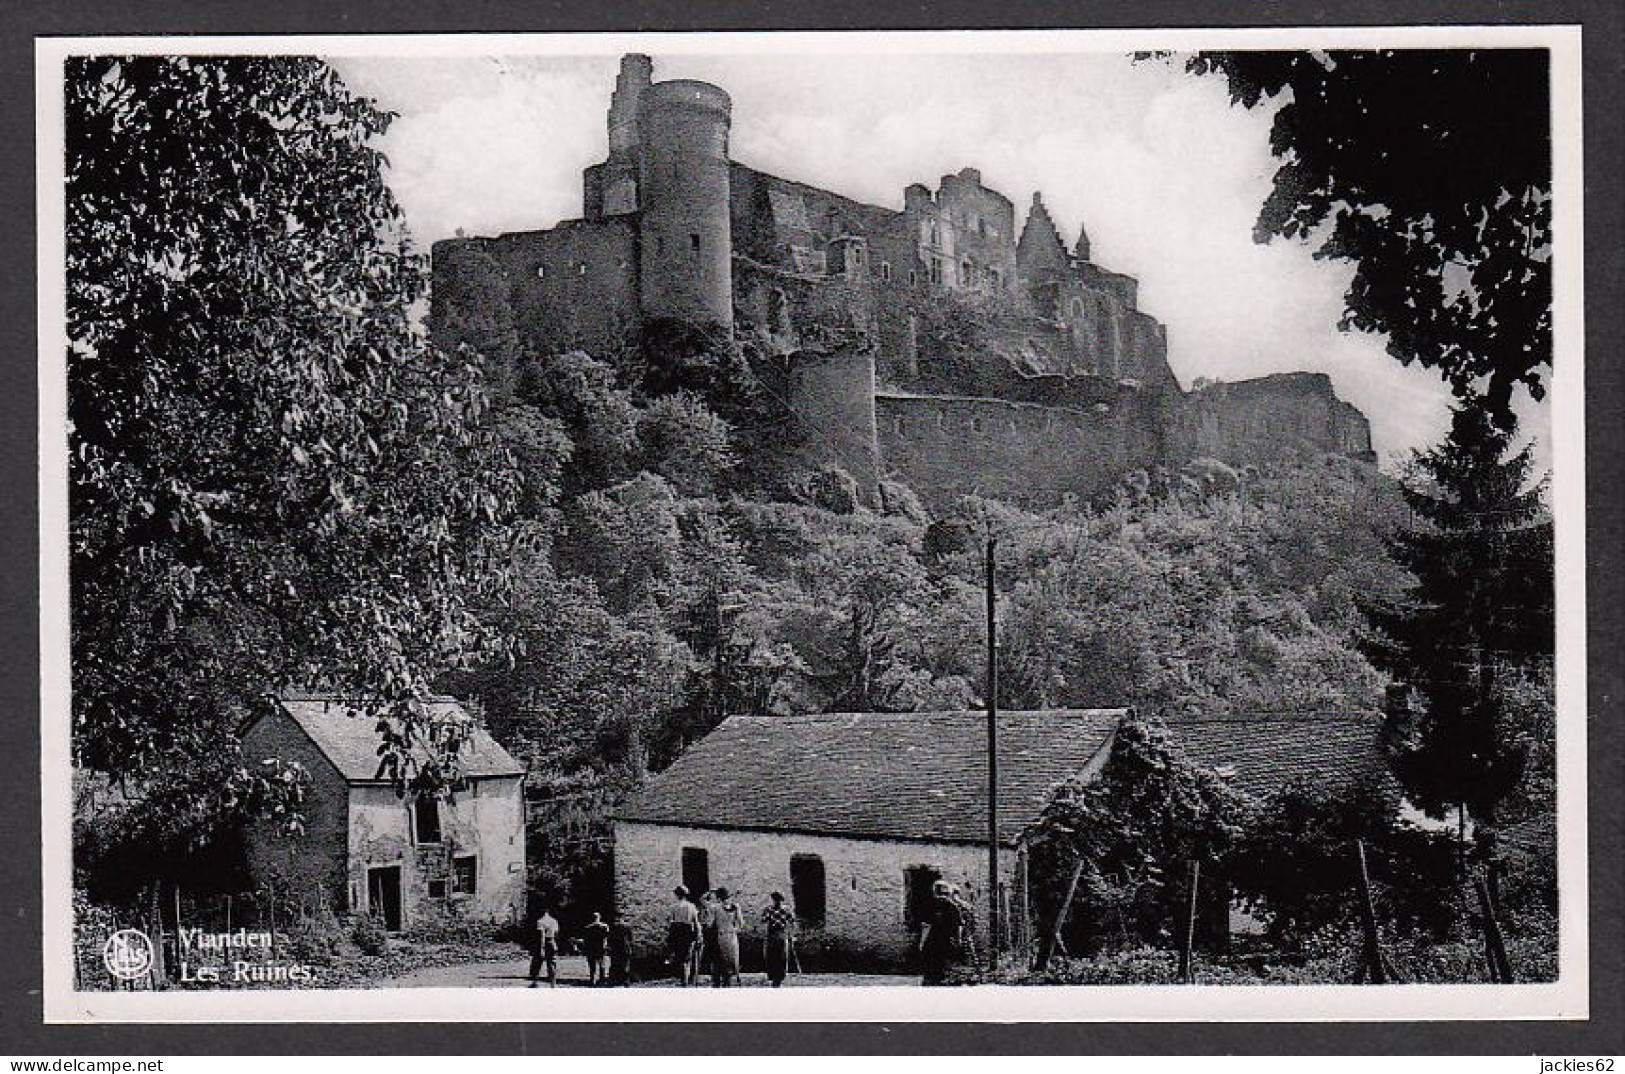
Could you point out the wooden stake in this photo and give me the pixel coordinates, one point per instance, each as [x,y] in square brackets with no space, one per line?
[1186,974]
[1373,970]
[1500,966]
[1053,942]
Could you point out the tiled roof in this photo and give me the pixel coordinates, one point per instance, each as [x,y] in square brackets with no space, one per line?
[913,775]
[1261,754]
[349,738]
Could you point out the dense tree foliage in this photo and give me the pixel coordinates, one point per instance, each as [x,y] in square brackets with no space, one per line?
[1130,833]
[1477,624]
[1295,864]
[1430,169]
[274,480]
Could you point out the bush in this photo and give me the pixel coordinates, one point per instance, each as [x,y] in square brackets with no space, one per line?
[1296,865]
[368,933]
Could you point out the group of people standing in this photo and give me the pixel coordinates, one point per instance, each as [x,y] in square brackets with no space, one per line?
[599,939]
[703,937]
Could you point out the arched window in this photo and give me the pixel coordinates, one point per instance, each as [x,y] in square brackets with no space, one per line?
[885,271]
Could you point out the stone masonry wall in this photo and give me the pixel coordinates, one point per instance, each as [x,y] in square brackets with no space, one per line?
[1268,419]
[865,885]
[943,447]
[486,820]
[312,861]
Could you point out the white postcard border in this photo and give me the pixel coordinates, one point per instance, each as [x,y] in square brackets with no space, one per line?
[1566,998]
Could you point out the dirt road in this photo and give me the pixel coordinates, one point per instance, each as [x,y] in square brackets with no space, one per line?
[510,973]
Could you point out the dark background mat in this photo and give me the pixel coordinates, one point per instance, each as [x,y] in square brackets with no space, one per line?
[21,1029]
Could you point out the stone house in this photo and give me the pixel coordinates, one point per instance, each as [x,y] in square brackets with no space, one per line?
[367,850]
[852,816]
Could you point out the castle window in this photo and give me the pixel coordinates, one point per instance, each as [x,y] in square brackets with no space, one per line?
[885,270]
[976,425]
[981,228]
[694,241]
[936,271]
[997,280]
[936,234]
[967,273]
[660,244]
[541,272]
[581,268]
[913,278]
[897,425]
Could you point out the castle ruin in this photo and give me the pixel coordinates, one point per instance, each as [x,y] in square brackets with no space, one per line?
[932,345]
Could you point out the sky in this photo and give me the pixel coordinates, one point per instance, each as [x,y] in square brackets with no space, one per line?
[1164,173]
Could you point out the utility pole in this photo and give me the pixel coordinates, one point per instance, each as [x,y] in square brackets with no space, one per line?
[992,768]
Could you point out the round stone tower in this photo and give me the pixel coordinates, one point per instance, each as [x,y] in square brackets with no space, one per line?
[684,231]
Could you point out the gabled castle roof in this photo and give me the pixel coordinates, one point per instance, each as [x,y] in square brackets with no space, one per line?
[1040,244]
[918,776]
[348,737]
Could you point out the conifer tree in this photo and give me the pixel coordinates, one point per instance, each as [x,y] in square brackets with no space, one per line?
[1480,611]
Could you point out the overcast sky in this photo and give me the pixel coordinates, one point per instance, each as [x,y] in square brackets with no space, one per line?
[1165,174]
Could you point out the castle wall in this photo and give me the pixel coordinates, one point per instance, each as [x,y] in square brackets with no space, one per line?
[832,395]
[575,286]
[1271,419]
[984,228]
[944,447]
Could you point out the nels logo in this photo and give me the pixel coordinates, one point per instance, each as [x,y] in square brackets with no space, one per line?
[128,954]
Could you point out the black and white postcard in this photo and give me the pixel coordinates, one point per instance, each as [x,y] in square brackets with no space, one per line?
[1053,525]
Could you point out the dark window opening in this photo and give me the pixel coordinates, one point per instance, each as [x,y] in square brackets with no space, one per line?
[885,271]
[466,873]
[917,881]
[807,890]
[694,241]
[660,244]
[936,271]
[426,818]
[437,889]
[696,871]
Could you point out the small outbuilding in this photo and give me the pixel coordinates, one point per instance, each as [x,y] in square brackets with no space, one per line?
[853,816]
[366,849]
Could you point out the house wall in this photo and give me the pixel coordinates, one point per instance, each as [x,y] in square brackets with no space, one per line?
[865,886]
[486,820]
[310,863]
